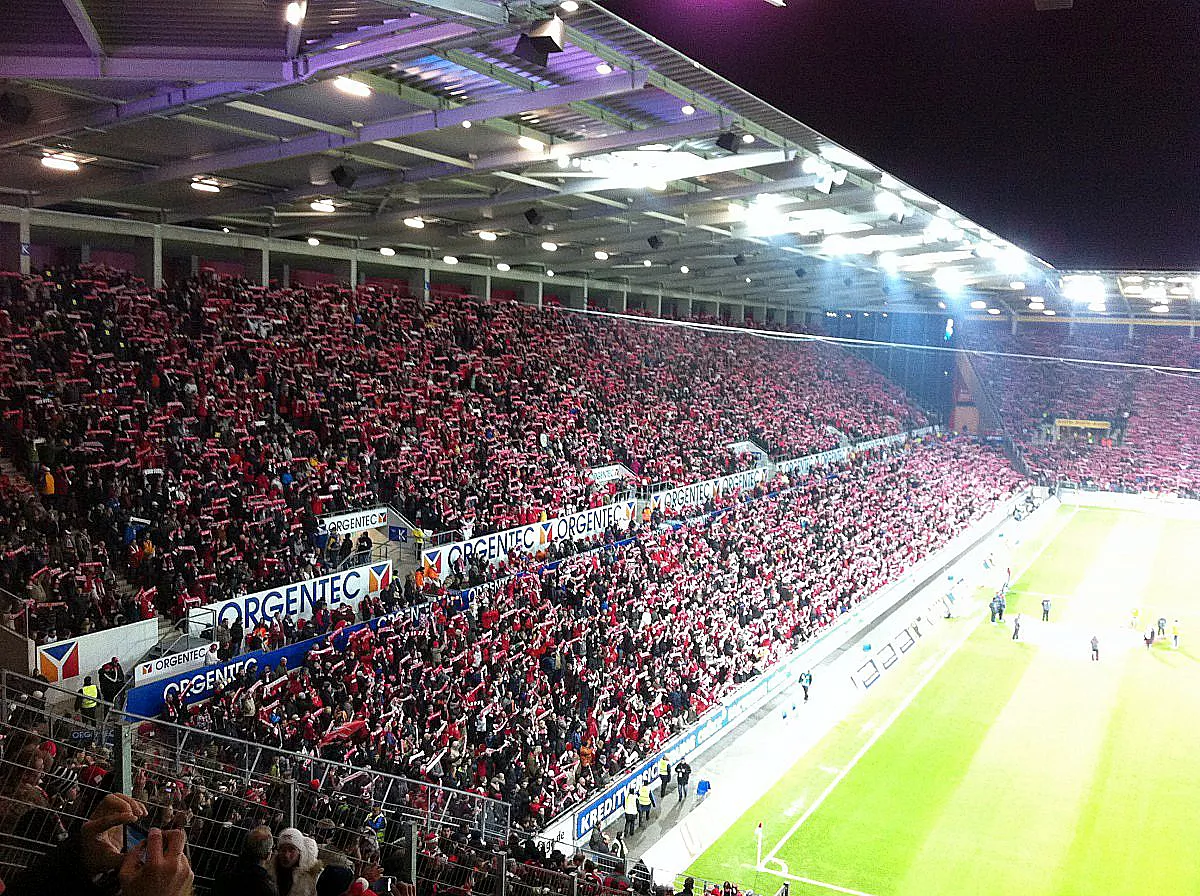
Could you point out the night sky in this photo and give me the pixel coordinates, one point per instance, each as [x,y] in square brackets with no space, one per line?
[1074,133]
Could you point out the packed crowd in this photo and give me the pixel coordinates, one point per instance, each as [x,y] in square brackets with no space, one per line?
[199,432]
[58,816]
[555,681]
[54,579]
[1153,440]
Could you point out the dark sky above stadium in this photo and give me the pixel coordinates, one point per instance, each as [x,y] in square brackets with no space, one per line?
[1074,133]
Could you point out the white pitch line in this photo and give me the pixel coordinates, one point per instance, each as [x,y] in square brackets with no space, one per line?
[812,882]
[882,729]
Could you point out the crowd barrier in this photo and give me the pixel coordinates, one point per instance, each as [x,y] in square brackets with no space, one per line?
[217,788]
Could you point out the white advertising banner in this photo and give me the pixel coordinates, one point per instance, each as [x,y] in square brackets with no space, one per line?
[439,561]
[698,493]
[608,473]
[173,663]
[357,521]
[344,588]
[66,662]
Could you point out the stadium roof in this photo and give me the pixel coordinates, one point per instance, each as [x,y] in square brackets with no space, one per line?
[641,167]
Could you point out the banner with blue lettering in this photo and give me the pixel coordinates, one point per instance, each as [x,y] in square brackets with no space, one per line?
[438,562]
[337,589]
[199,684]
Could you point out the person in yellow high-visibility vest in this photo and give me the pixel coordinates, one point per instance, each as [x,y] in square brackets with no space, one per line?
[419,540]
[630,810]
[88,700]
[664,774]
[645,802]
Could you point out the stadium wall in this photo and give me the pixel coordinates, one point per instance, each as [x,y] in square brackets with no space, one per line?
[575,825]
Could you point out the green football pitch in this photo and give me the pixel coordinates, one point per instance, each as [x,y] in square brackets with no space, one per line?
[983,765]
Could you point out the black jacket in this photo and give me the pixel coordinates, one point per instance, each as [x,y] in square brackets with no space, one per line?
[247,878]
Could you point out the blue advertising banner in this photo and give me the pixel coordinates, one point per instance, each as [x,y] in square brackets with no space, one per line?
[200,684]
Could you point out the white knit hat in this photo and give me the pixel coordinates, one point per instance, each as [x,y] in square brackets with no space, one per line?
[290,837]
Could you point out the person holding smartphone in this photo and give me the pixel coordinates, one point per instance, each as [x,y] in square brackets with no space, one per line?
[94,860]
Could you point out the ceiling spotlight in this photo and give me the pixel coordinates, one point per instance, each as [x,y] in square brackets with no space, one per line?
[1017,284]
[688,109]
[568,5]
[531,143]
[294,14]
[504,266]
[1097,307]
[352,87]
[604,69]
[1049,312]
[322,205]
[414,222]
[646,262]
[206,186]
[467,124]
[993,311]
[387,251]
[60,162]
[224,230]
[313,241]
[748,280]
[549,273]
[449,259]
[684,269]
[979,304]
[942,305]
[487,236]
[601,255]
[1159,309]
[564,162]
[747,138]
[549,246]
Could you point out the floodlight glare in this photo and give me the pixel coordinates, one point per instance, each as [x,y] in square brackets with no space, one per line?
[352,87]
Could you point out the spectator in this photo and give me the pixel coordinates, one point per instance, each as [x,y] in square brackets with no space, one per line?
[250,877]
[112,680]
[295,867]
[94,861]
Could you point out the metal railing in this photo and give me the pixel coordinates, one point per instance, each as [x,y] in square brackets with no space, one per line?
[59,762]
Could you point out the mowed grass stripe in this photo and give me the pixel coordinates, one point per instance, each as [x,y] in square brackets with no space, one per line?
[871,827]
[1135,830]
[1032,774]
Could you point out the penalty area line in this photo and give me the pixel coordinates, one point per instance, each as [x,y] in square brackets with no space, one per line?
[895,714]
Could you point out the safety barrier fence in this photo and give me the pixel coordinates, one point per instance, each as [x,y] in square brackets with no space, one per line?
[59,761]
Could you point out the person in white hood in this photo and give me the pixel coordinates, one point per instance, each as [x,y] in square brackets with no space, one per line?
[294,865]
